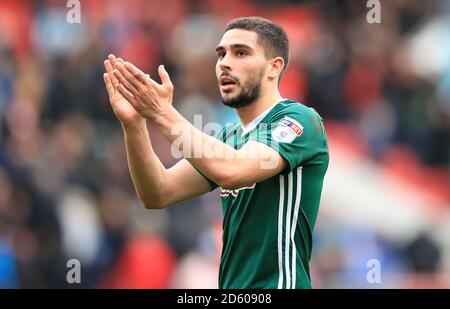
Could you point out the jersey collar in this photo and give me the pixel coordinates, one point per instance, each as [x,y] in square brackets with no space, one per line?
[252,124]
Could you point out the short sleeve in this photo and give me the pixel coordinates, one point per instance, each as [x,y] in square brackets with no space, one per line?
[296,134]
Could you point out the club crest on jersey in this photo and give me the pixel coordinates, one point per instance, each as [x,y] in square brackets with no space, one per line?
[287,130]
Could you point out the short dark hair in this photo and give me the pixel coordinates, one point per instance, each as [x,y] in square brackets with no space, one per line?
[271,36]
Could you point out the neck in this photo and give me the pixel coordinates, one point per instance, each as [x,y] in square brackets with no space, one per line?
[253,110]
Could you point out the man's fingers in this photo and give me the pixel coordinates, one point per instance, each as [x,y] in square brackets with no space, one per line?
[165,78]
[109,85]
[126,94]
[141,76]
[111,90]
[131,77]
[137,73]
[122,80]
[153,83]
[109,69]
[112,58]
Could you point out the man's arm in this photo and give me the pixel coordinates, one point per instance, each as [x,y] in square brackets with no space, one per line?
[227,167]
[155,186]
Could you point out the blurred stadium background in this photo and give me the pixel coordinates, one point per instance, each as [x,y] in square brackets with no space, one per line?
[65,191]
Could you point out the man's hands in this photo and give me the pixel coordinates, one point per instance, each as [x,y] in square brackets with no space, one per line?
[131,92]
[135,97]
[146,96]
[124,111]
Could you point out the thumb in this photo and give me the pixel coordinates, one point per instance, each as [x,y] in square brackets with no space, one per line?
[165,78]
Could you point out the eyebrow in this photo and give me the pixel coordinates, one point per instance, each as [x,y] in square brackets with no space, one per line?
[234,46]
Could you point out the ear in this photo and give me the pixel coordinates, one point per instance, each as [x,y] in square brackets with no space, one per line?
[276,65]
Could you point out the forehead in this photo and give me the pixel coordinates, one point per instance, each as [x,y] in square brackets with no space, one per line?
[240,36]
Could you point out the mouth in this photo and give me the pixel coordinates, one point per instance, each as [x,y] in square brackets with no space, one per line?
[227,84]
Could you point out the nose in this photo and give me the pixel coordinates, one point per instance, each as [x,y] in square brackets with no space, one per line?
[224,63]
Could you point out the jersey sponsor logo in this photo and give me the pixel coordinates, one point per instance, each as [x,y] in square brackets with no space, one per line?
[287,130]
[235,192]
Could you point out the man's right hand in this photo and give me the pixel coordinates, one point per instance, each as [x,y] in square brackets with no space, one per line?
[124,111]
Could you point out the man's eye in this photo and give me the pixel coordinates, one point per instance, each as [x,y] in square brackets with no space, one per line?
[220,55]
[242,53]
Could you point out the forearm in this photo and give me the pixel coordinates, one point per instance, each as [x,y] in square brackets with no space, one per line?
[147,171]
[215,159]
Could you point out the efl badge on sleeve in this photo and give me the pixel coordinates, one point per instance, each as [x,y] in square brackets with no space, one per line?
[287,130]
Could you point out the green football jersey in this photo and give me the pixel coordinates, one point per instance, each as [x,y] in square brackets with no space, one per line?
[267,227]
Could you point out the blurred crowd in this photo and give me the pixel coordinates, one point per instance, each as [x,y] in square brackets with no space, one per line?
[65,189]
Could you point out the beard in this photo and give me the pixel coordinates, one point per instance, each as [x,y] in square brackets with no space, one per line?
[249,93]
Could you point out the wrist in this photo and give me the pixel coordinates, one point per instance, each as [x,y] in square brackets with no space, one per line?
[134,125]
[171,124]
[163,118]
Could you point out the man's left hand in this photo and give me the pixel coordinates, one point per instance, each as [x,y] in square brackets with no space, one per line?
[148,97]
